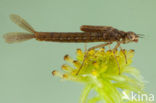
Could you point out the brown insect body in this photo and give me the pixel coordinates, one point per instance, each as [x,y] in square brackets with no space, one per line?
[89,34]
[109,35]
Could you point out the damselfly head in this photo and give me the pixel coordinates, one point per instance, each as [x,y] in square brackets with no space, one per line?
[132,37]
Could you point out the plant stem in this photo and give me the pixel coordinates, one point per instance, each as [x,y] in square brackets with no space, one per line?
[85,93]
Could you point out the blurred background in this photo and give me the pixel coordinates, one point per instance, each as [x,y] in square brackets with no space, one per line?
[25,68]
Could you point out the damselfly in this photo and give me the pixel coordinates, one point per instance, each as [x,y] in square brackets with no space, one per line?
[89,33]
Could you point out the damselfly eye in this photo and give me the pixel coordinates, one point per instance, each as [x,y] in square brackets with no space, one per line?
[132,37]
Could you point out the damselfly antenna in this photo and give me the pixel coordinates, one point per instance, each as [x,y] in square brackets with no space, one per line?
[141,35]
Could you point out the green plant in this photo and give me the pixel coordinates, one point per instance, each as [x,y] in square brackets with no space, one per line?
[100,73]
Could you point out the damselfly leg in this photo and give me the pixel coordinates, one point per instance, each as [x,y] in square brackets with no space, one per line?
[114,50]
[123,51]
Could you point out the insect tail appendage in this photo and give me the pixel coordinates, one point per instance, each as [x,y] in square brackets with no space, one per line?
[14,37]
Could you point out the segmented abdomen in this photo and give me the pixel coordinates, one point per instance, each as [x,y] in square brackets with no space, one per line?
[75,36]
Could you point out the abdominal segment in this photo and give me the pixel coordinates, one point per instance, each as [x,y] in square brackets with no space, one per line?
[70,36]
